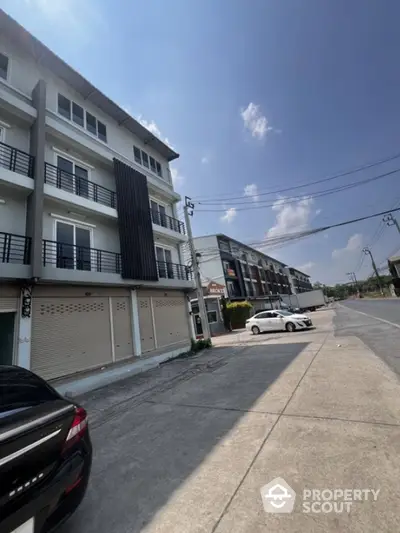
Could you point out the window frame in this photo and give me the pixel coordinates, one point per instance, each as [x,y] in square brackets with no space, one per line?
[85,112]
[81,225]
[75,162]
[216,316]
[7,78]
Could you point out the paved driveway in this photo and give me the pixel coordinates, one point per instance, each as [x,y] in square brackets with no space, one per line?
[186,448]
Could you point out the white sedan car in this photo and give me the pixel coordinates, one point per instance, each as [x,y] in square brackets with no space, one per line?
[277,319]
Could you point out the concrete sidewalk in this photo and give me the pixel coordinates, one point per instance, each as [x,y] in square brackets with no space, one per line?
[191,456]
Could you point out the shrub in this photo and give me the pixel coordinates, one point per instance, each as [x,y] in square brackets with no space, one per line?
[200,344]
[239,312]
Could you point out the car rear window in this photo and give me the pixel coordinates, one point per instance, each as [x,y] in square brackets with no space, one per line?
[20,388]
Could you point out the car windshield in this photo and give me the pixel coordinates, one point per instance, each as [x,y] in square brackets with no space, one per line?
[285,313]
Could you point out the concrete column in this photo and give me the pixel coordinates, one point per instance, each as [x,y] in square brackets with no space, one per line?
[34,215]
[24,333]
[137,343]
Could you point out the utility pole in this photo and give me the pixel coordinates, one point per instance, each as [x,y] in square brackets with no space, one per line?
[352,276]
[367,251]
[188,210]
[391,221]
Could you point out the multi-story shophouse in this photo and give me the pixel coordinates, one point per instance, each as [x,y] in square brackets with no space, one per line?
[246,273]
[90,266]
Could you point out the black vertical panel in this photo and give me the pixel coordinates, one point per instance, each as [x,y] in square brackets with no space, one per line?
[138,259]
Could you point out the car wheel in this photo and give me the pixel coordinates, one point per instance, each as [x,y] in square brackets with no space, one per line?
[290,327]
[255,330]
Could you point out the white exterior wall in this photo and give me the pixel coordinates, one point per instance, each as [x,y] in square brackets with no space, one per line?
[12,212]
[24,73]
[210,269]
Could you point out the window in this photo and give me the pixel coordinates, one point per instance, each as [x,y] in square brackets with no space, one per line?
[164,262]
[1,134]
[101,131]
[73,246]
[212,317]
[273,315]
[3,66]
[77,114]
[137,154]
[145,159]
[261,315]
[72,177]
[91,123]
[195,309]
[64,106]
[158,214]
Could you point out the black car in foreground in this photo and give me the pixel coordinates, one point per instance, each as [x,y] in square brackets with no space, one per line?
[45,454]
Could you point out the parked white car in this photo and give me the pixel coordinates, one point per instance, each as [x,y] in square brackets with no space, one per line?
[278,319]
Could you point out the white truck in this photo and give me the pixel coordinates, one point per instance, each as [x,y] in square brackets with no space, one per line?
[304,301]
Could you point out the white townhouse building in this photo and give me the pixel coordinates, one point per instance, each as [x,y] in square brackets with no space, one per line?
[91,271]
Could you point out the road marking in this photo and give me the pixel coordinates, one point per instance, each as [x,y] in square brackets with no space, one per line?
[371,316]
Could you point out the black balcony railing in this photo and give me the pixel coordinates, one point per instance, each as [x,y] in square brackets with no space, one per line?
[16,160]
[72,257]
[167,222]
[80,186]
[15,249]
[173,271]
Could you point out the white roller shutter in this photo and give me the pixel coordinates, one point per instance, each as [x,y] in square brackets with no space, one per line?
[122,322]
[146,324]
[70,335]
[171,321]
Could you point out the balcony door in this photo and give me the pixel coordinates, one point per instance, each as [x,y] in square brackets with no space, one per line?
[73,246]
[164,262]
[72,177]
[158,214]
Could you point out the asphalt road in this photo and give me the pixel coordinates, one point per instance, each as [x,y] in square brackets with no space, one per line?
[383,338]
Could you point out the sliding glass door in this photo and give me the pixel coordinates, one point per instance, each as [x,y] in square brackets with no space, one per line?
[73,246]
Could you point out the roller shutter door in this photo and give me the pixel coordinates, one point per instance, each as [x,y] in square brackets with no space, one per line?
[146,324]
[70,335]
[9,304]
[170,316]
[122,322]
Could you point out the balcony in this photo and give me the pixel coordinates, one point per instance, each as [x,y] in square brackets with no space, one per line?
[16,160]
[79,186]
[72,257]
[173,271]
[16,168]
[15,252]
[68,262]
[168,226]
[167,222]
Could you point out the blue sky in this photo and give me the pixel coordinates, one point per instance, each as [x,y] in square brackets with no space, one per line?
[259,93]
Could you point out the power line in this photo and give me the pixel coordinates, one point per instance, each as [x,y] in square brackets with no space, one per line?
[295,199]
[324,180]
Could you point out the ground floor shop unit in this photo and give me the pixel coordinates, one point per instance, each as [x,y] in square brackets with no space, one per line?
[66,330]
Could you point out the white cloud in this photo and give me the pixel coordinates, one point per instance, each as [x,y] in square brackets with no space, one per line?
[251,191]
[317,212]
[71,15]
[306,266]
[177,179]
[291,217]
[353,245]
[255,121]
[152,127]
[205,160]
[229,215]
